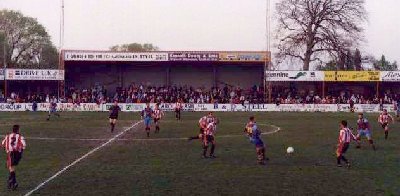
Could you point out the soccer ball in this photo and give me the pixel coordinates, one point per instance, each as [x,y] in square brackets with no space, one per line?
[290,150]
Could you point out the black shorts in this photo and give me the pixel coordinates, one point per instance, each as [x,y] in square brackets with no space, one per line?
[113,117]
[343,148]
[156,120]
[15,157]
[209,138]
[384,125]
[177,110]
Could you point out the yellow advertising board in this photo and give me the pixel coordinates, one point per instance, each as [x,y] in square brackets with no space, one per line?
[244,56]
[352,76]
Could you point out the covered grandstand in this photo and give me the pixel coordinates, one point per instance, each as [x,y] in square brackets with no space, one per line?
[207,69]
[365,86]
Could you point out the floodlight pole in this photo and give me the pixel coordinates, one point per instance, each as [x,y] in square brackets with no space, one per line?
[60,52]
[267,64]
[5,65]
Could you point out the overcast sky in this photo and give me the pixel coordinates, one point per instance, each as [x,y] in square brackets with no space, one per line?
[187,24]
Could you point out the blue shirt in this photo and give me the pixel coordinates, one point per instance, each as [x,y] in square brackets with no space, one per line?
[255,136]
[147,112]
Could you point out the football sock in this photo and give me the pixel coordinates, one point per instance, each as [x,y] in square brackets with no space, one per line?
[196,137]
[386,135]
[112,126]
[212,149]
[372,144]
[263,153]
[344,159]
[157,128]
[10,176]
[13,178]
[205,150]
[338,160]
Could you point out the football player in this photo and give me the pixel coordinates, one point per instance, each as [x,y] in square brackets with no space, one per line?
[364,129]
[53,109]
[158,114]
[113,117]
[14,145]
[385,119]
[203,122]
[178,109]
[147,115]
[254,133]
[345,137]
[209,139]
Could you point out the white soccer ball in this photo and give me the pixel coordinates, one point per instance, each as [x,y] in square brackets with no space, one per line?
[290,150]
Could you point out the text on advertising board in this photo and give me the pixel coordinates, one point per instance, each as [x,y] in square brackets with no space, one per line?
[243,56]
[352,76]
[390,76]
[115,56]
[294,76]
[34,74]
[193,56]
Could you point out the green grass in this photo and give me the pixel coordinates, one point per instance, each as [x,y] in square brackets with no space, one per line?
[174,167]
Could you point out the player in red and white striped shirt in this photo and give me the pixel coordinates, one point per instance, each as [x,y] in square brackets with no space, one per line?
[345,137]
[14,144]
[385,119]
[209,139]
[178,109]
[203,122]
[157,115]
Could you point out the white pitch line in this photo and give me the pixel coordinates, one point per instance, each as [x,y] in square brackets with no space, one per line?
[277,129]
[80,159]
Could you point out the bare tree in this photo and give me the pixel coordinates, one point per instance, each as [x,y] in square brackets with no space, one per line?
[317,31]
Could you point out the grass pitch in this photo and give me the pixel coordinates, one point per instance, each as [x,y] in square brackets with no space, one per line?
[169,165]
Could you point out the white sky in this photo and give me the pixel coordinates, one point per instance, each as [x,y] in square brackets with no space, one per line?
[187,24]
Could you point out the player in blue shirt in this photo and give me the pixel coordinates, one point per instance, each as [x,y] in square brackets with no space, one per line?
[147,115]
[53,109]
[254,133]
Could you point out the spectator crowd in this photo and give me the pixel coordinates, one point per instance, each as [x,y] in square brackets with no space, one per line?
[153,94]
[138,93]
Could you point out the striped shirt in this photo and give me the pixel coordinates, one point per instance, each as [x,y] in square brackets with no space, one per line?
[210,119]
[178,105]
[345,135]
[203,121]
[158,113]
[211,129]
[385,118]
[13,142]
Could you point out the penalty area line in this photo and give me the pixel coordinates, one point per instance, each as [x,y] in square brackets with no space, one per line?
[81,158]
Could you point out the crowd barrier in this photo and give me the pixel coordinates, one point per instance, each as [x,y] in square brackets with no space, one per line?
[93,107]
